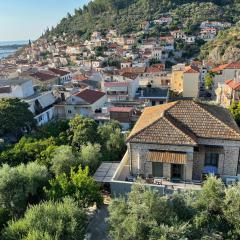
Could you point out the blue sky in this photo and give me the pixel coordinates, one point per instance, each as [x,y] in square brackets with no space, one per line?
[27,19]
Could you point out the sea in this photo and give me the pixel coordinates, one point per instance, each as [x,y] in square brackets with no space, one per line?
[5,52]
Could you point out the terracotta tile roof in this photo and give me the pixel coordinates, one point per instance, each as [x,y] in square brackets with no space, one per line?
[191,69]
[226,66]
[42,76]
[160,66]
[152,70]
[121,109]
[233,84]
[183,122]
[90,96]
[59,71]
[135,70]
[80,77]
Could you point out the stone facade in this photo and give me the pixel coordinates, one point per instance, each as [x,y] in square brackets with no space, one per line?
[227,164]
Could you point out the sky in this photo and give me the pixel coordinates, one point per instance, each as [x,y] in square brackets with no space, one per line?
[27,19]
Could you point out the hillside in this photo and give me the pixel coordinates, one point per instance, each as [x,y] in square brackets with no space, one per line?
[126,15]
[225,48]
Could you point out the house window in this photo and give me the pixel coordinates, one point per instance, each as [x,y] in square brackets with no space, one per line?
[211,159]
[69,112]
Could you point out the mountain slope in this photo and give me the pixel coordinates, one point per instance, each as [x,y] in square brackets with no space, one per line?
[126,15]
[225,48]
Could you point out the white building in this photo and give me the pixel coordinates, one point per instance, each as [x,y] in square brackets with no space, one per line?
[41,105]
[16,88]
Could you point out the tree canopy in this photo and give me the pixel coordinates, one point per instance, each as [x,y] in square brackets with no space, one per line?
[49,221]
[212,213]
[15,118]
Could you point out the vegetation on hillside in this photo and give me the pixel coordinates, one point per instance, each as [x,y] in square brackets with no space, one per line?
[126,16]
[225,48]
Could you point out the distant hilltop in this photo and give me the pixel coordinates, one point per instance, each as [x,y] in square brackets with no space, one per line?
[127,15]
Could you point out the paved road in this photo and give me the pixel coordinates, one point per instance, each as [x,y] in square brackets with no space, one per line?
[98,227]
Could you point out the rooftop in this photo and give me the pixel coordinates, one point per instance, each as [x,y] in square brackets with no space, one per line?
[235,65]
[90,96]
[233,84]
[154,93]
[183,123]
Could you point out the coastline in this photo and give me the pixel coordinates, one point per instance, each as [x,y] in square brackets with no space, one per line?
[8,48]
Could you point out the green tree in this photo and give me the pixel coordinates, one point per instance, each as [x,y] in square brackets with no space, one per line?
[235,111]
[49,221]
[63,160]
[79,185]
[20,186]
[26,150]
[90,155]
[82,131]
[212,213]
[112,141]
[210,204]
[231,210]
[209,81]
[15,118]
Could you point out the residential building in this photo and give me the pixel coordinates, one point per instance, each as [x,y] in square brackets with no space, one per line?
[119,88]
[153,96]
[85,102]
[16,88]
[186,80]
[123,115]
[42,106]
[225,72]
[64,76]
[182,141]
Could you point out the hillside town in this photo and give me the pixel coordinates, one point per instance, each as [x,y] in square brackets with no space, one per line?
[114,76]
[117,112]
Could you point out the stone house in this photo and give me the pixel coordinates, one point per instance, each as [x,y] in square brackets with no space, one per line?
[184,140]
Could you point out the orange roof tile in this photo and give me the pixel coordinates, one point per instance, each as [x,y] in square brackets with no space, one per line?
[191,69]
[183,122]
[233,84]
[235,65]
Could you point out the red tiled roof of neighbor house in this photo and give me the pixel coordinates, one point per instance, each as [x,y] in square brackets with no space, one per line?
[183,123]
[113,45]
[233,84]
[135,70]
[80,77]
[116,84]
[42,76]
[160,66]
[90,96]
[191,69]
[152,70]
[121,109]
[59,71]
[235,65]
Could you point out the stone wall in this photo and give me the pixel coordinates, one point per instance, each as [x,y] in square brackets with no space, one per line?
[140,164]
[228,158]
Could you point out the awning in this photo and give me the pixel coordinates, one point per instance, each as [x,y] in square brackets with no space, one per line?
[167,157]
